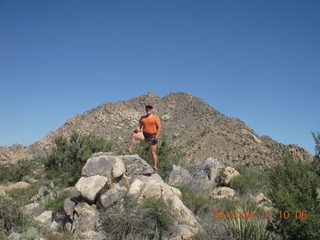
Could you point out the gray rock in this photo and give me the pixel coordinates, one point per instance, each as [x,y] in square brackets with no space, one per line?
[102,164]
[206,175]
[118,168]
[73,192]
[14,236]
[89,187]
[112,196]
[86,218]
[31,208]
[229,174]
[56,226]
[135,165]
[69,226]
[222,192]
[68,207]
[44,218]
[180,176]
[185,223]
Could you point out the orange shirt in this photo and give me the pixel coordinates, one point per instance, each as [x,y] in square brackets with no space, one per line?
[149,123]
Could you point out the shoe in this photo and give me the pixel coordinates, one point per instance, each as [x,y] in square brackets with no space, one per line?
[155,170]
[129,150]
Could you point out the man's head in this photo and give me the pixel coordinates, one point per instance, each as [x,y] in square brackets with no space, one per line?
[149,109]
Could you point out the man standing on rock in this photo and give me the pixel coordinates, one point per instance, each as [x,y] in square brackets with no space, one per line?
[148,130]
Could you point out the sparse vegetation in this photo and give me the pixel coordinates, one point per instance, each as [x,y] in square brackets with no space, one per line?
[147,219]
[56,204]
[195,202]
[246,223]
[250,181]
[24,196]
[12,218]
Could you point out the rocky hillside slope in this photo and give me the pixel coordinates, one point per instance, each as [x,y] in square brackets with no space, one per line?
[190,124]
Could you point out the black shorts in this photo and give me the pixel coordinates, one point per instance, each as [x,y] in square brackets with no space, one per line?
[149,138]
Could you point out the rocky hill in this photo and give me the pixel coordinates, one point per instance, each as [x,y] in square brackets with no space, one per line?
[190,124]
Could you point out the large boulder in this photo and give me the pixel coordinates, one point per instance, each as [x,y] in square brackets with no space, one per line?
[45,218]
[185,222]
[228,175]
[31,208]
[222,192]
[86,218]
[136,165]
[89,187]
[180,176]
[112,196]
[104,164]
[207,174]
[202,177]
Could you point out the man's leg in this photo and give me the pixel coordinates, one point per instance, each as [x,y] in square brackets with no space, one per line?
[154,157]
[133,138]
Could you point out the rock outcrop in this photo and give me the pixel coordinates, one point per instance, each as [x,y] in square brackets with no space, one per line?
[106,179]
[203,177]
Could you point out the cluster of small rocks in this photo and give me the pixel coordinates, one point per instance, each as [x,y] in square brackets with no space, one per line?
[211,178]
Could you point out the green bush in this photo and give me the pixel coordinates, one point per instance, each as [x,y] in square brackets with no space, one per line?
[316,162]
[67,158]
[56,204]
[294,186]
[167,155]
[12,218]
[132,219]
[249,181]
[24,196]
[195,202]
[15,172]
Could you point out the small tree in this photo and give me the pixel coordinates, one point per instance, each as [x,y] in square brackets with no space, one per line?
[294,187]
[67,158]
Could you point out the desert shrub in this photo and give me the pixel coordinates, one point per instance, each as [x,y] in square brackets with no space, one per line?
[3,235]
[24,196]
[294,186]
[146,219]
[12,218]
[195,202]
[249,181]
[56,204]
[167,155]
[64,162]
[16,172]
[248,226]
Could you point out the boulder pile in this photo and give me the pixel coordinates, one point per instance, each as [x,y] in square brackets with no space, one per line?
[106,179]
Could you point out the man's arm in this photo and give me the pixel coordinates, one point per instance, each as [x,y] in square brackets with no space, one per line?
[158,122]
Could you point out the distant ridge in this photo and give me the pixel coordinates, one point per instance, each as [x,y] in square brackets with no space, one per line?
[190,124]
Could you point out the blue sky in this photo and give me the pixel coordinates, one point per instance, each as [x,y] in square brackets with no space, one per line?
[255,60]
